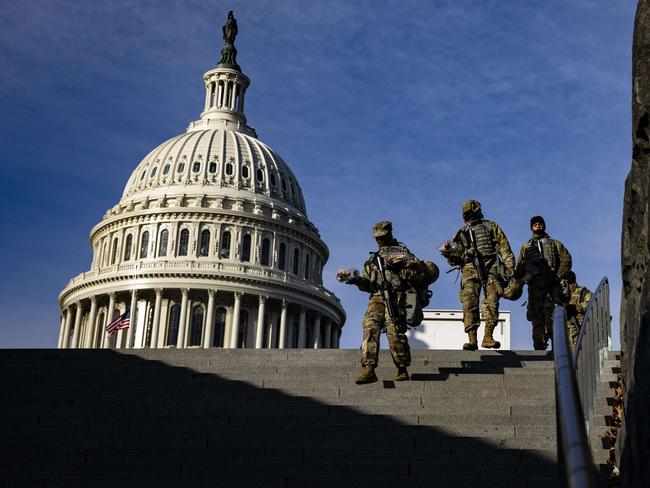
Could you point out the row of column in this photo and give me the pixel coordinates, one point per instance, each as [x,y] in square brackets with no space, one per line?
[94,333]
[223,94]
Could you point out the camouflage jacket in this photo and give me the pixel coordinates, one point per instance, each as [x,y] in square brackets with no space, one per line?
[580,296]
[402,270]
[497,241]
[533,267]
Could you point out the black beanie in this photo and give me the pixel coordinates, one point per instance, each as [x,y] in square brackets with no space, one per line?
[537,219]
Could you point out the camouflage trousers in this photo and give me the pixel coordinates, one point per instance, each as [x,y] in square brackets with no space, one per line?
[540,312]
[572,327]
[374,322]
[470,296]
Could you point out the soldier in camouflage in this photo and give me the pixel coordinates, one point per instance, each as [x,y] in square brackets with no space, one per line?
[401,269]
[494,253]
[578,300]
[542,263]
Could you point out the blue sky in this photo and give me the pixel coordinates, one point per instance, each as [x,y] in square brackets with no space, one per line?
[384,110]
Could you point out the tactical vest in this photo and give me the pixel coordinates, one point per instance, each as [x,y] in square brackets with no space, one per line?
[548,252]
[484,239]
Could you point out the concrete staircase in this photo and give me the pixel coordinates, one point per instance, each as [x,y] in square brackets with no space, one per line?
[274,418]
[603,419]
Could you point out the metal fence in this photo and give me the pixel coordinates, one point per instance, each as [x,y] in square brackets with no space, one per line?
[591,348]
[577,375]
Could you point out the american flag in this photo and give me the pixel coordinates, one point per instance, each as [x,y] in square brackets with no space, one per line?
[121,322]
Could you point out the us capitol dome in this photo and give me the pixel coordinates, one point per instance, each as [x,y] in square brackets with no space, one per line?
[210,244]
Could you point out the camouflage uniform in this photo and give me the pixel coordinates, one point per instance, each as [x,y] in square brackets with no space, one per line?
[542,272]
[401,267]
[490,242]
[579,298]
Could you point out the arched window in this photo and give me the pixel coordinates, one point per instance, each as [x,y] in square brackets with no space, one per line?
[164,239]
[114,251]
[245,172]
[243,329]
[183,242]
[196,167]
[266,252]
[174,321]
[196,328]
[225,244]
[204,246]
[273,182]
[259,174]
[144,244]
[166,169]
[307,266]
[153,171]
[246,248]
[144,173]
[181,167]
[213,167]
[219,327]
[127,247]
[229,169]
[296,260]
[282,256]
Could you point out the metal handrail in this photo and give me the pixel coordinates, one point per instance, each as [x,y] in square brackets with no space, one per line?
[590,352]
[577,376]
[574,454]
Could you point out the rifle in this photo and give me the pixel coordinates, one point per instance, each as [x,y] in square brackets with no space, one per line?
[476,258]
[386,290]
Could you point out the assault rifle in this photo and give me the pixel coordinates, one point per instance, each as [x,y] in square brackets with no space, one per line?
[386,290]
[469,241]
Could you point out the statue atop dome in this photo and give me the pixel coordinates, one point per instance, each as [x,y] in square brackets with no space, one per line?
[229,52]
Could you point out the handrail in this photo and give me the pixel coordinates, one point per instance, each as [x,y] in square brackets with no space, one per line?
[574,453]
[591,348]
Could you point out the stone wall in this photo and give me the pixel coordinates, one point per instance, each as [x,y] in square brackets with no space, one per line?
[634,437]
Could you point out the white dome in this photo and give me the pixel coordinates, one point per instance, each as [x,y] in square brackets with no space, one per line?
[215,162]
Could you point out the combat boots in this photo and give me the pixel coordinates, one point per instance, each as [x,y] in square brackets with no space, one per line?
[488,340]
[472,345]
[402,374]
[367,376]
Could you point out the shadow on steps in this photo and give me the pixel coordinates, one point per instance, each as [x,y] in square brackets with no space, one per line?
[241,418]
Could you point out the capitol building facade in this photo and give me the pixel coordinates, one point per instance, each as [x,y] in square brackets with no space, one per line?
[209,246]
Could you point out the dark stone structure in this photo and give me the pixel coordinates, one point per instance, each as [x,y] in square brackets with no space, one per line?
[634,437]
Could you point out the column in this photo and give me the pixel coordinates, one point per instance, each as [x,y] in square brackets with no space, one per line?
[77,325]
[316,344]
[180,342]
[133,319]
[283,325]
[109,318]
[155,326]
[302,328]
[208,332]
[90,325]
[208,96]
[328,334]
[335,333]
[61,330]
[259,331]
[219,87]
[233,95]
[234,330]
[66,331]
